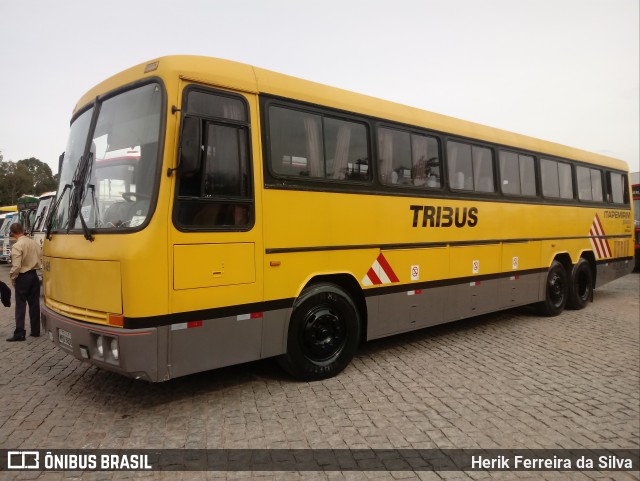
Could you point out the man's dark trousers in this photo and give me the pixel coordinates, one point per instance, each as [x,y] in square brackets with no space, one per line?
[27,292]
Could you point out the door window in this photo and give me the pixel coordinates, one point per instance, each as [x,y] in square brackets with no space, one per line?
[217,193]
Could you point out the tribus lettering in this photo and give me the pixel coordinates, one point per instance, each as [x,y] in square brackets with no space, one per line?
[444,216]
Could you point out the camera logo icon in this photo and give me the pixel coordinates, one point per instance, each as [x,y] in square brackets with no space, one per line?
[23,460]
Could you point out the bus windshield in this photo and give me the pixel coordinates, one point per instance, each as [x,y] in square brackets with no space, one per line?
[107,182]
[41,214]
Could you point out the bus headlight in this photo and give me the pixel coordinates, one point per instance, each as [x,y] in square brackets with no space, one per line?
[100,345]
[114,348]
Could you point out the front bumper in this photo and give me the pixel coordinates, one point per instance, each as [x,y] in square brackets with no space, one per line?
[137,349]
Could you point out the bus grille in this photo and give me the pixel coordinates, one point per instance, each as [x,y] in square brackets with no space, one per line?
[79,313]
[620,248]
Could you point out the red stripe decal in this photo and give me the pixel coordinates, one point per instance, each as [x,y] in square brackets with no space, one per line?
[373,277]
[387,269]
[596,242]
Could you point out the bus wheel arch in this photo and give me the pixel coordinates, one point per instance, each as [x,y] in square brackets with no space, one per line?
[581,283]
[590,257]
[325,329]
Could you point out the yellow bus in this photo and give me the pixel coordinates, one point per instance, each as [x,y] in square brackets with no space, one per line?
[7,209]
[267,216]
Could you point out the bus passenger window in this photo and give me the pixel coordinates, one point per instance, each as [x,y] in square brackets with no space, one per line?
[596,185]
[482,169]
[565,180]
[618,193]
[527,176]
[425,160]
[549,172]
[517,174]
[589,184]
[408,159]
[470,167]
[557,181]
[304,144]
[296,143]
[394,151]
[345,145]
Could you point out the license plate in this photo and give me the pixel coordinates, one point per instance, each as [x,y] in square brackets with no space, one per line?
[65,338]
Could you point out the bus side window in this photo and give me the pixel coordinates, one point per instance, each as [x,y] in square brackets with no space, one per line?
[408,159]
[517,174]
[557,181]
[618,193]
[314,145]
[470,167]
[589,184]
[394,151]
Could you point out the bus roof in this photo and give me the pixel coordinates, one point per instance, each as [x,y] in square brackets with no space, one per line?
[238,76]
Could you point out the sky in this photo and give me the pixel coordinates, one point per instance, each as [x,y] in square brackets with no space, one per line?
[560,70]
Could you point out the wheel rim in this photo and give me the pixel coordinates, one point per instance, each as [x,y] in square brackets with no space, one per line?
[556,289]
[324,334]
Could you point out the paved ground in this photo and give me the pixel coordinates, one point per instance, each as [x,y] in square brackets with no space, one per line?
[508,380]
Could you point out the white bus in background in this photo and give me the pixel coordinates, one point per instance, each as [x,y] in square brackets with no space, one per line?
[5,238]
[39,224]
[2,217]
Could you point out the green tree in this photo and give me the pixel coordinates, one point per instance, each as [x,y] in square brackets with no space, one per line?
[15,180]
[41,174]
[27,176]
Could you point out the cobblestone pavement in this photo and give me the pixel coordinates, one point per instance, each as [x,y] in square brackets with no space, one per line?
[507,380]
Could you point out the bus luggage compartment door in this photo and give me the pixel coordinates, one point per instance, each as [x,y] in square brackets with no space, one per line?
[213,265]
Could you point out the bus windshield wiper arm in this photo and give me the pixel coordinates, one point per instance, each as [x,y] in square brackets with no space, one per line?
[77,195]
[55,210]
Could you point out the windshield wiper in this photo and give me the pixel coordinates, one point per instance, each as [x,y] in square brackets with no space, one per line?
[54,211]
[78,193]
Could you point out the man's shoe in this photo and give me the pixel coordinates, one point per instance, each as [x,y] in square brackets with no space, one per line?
[35,334]
[15,339]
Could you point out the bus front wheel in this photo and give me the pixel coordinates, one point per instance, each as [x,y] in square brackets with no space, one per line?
[580,286]
[556,291]
[324,333]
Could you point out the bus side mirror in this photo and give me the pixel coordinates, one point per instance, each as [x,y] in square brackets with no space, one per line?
[190,149]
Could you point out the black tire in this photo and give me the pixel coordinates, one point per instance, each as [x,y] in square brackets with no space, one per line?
[556,291]
[324,333]
[580,286]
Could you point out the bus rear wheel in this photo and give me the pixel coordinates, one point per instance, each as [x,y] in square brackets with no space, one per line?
[324,333]
[556,291]
[580,286]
